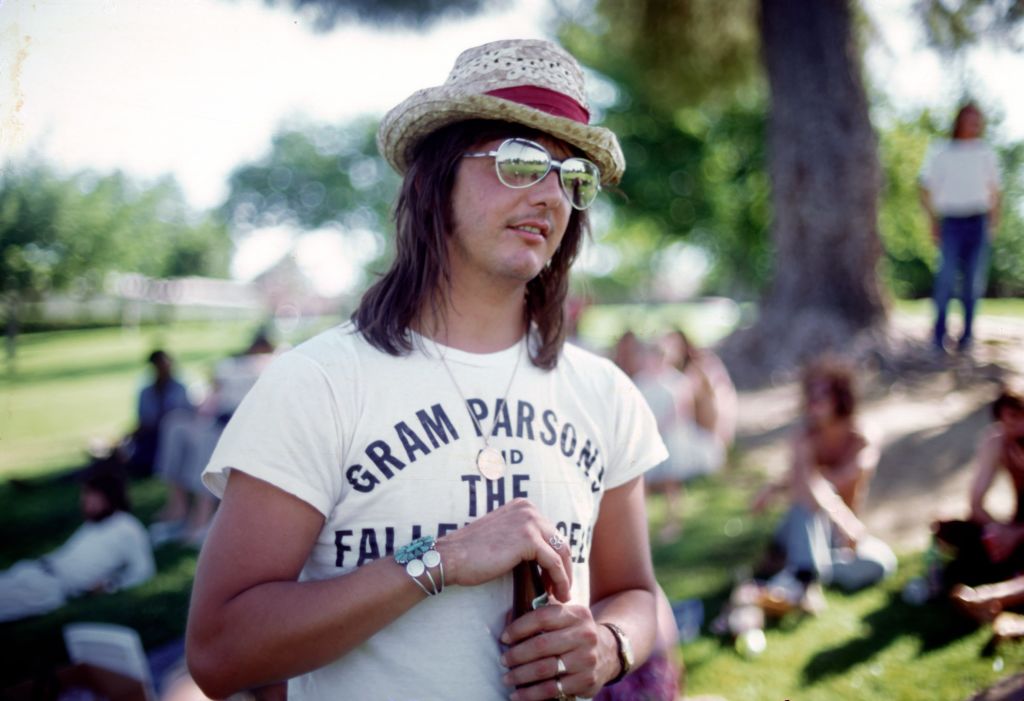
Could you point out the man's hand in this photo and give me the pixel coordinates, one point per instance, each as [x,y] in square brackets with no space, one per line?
[568,633]
[492,545]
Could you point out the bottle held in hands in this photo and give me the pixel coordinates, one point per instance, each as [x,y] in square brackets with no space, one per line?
[528,592]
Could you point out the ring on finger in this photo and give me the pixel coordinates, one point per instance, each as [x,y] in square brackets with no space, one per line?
[561,666]
[555,541]
[561,692]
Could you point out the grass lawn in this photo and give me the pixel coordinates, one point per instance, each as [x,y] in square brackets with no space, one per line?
[71,386]
[870,645]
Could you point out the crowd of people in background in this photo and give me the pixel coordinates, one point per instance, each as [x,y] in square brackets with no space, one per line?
[172,440]
[188,436]
[694,401]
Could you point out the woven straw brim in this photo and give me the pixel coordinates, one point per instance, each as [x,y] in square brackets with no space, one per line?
[428,110]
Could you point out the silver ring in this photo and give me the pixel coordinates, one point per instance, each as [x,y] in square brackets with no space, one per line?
[561,666]
[555,542]
[561,693]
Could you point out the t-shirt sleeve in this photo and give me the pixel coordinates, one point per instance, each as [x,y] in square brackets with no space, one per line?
[285,432]
[637,444]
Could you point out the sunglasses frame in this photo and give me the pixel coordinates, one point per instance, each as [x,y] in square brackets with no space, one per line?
[553,164]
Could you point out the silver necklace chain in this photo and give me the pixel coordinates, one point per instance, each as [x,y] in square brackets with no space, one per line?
[472,415]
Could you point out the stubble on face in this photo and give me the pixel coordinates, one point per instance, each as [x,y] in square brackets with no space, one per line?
[501,232]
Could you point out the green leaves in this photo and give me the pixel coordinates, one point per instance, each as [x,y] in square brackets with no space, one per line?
[60,231]
[315,176]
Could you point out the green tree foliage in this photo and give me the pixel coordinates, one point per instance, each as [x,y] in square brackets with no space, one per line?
[1007,272]
[690,113]
[59,232]
[954,25]
[908,267]
[315,176]
[911,256]
[672,53]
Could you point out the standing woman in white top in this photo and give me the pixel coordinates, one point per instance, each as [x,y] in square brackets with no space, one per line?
[960,191]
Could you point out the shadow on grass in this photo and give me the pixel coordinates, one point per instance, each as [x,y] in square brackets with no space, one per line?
[936,625]
[928,456]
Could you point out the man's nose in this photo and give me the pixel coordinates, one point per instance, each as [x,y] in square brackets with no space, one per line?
[548,191]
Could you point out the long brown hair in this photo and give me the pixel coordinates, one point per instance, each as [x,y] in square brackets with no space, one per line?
[420,276]
[957,131]
[836,375]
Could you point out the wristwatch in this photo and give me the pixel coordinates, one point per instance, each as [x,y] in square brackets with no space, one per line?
[625,651]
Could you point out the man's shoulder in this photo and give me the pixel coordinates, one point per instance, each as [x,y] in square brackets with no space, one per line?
[594,371]
[331,344]
[577,356]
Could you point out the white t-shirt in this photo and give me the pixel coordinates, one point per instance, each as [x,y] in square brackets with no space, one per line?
[961,176]
[111,554]
[384,447]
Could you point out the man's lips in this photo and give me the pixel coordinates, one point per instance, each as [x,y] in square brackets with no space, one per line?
[537,228]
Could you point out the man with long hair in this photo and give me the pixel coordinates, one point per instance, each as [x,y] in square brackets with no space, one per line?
[960,192]
[382,481]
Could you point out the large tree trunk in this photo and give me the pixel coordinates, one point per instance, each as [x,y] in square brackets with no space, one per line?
[825,176]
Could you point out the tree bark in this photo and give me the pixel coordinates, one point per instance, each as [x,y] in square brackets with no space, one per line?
[825,175]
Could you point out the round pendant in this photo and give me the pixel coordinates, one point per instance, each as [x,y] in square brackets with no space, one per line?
[490,463]
[431,558]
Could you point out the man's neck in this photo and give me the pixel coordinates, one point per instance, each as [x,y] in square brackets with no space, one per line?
[477,323]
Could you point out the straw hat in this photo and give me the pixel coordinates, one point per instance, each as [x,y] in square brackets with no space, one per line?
[526,81]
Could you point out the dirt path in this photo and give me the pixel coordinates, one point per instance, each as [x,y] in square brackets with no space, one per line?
[928,416]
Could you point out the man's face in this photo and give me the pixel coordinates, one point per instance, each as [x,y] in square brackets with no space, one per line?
[501,233]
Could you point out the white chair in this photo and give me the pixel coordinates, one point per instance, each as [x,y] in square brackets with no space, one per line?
[113,647]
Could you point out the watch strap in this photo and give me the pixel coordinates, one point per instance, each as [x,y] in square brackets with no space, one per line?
[623,647]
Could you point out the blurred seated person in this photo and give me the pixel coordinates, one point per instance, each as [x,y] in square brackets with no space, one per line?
[714,395]
[107,553]
[669,393]
[821,539]
[190,438]
[986,549]
[990,602]
[156,400]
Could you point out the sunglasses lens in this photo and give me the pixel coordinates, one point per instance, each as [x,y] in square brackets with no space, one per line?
[521,164]
[581,181]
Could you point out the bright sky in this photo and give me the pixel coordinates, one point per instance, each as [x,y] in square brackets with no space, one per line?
[196,87]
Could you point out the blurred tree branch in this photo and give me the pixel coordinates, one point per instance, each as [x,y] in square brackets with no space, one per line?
[419,14]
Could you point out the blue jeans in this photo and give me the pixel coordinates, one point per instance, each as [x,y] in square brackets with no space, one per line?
[807,539]
[964,251]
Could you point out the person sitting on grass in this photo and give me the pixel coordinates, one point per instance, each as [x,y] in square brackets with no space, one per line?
[164,396]
[107,553]
[821,539]
[998,603]
[986,550]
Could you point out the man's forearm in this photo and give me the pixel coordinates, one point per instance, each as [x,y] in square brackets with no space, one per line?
[635,611]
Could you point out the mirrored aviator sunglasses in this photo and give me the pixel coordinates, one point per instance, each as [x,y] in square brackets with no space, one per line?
[521,163]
